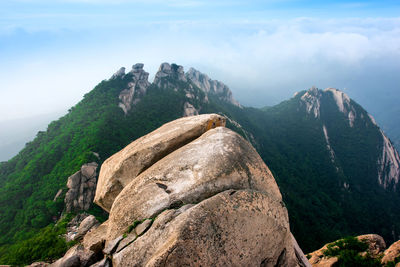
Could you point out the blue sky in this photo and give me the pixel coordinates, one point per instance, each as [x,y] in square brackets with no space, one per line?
[53,52]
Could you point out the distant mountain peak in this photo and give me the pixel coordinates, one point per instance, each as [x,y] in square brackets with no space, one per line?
[312,99]
[315,100]
[210,86]
[136,88]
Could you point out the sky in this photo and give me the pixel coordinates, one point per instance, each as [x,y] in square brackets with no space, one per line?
[52,52]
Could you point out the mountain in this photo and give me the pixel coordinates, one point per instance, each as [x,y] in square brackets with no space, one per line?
[337,171]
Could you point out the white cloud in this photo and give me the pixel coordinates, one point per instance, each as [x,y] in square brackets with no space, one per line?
[262,61]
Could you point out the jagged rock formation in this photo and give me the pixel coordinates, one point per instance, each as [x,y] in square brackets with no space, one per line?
[211,86]
[192,194]
[315,102]
[82,186]
[120,169]
[137,87]
[167,77]
[172,71]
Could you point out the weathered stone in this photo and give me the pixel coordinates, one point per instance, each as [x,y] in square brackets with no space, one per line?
[209,86]
[141,228]
[232,228]
[189,110]
[302,261]
[103,263]
[35,264]
[124,166]
[218,160]
[126,241]
[82,186]
[76,256]
[376,244]
[87,224]
[110,246]
[172,71]
[391,253]
[94,239]
[317,258]
[73,226]
[137,88]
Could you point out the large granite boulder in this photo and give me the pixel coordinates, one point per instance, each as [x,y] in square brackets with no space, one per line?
[189,194]
[219,160]
[124,166]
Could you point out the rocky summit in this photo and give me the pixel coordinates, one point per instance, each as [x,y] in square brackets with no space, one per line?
[190,193]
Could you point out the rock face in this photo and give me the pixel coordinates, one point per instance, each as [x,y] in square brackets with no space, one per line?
[124,166]
[211,86]
[218,160]
[82,186]
[391,253]
[232,228]
[192,194]
[137,87]
[172,71]
[388,162]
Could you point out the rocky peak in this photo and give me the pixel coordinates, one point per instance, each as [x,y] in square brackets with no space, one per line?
[119,73]
[313,97]
[136,88]
[171,71]
[312,101]
[210,86]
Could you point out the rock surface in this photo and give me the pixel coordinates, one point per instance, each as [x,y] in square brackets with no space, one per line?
[77,256]
[210,86]
[88,223]
[137,87]
[392,252]
[82,186]
[191,194]
[121,168]
[232,228]
[376,244]
[218,160]
[172,71]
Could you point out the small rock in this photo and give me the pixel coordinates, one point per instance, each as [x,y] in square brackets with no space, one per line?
[88,223]
[141,228]
[95,238]
[111,245]
[126,241]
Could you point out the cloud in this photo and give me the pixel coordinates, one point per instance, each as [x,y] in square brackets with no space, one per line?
[263,61]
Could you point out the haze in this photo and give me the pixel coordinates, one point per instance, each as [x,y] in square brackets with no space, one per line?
[53,52]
